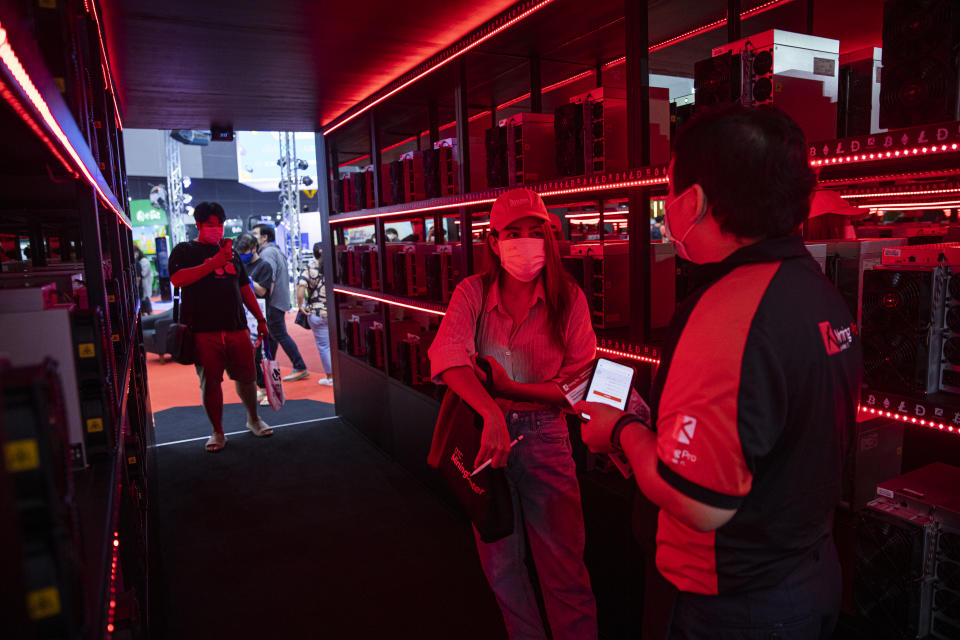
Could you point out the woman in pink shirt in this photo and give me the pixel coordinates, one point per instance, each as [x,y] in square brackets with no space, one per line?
[535,330]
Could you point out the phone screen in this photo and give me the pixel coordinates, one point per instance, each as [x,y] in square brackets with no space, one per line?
[610,384]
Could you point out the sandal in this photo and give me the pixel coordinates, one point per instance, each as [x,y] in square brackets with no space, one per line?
[216,442]
[261,429]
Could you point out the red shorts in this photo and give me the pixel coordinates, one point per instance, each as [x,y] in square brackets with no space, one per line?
[219,351]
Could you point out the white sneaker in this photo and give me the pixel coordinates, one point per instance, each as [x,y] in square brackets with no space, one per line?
[325,382]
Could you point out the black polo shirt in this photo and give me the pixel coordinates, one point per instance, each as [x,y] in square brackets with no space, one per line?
[213,302]
[755,402]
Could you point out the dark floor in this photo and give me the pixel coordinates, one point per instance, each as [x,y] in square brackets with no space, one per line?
[312,533]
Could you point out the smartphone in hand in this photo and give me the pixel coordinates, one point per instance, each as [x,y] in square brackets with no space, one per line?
[610,384]
[226,242]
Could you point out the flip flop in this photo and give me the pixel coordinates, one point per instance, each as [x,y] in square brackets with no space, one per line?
[261,429]
[216,442]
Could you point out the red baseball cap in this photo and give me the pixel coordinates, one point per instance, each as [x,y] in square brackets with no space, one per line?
[515,204]
[828,201]
[555,222]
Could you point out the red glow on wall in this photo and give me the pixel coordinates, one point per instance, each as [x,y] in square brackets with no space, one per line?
[336,125]
[931,424]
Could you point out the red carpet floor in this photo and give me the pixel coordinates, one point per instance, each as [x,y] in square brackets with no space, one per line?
[176,385]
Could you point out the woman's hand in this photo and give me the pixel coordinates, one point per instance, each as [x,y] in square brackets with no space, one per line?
[494,441]
[501,383]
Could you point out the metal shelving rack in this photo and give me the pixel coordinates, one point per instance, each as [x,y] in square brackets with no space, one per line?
[63,177]
[916,165]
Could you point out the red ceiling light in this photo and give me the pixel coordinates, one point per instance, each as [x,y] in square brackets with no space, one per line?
[12,63]
[931,424]
[439,64]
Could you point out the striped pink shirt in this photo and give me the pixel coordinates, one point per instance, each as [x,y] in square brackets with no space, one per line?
[526,352]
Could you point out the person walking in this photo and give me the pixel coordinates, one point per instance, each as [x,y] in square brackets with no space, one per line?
[278,301]
[145,279]
[535,330]
[312,301]
[214,288]
[261,280]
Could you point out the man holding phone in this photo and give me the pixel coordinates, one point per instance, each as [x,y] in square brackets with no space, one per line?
[214,288]
[755,398]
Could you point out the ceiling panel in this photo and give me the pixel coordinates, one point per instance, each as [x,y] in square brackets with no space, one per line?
[297,64]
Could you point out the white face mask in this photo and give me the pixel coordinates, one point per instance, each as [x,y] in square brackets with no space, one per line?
[523,258]
[678,242]
[210,234]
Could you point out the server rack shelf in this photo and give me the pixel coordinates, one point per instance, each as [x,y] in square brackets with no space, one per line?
[63,189]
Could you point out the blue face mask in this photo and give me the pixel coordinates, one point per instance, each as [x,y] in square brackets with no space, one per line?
[246,257]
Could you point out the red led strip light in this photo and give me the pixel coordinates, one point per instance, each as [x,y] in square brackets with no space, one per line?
[894,194]
[543,194]
[349,292]
[910,420]
[888,155]
[112,611]
[441,63]
[749,13]
[40,133]
[105,65]
[482,114]
[20,75]
[914,206]
[716,24]
[631,356]
[604,187]
[393,303]
[413,211]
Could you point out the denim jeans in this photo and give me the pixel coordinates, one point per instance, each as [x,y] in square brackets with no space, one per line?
[546,506]
[803,606]
[322,337]
[277,328]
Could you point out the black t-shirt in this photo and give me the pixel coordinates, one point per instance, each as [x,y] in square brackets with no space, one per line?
[755,402]
[261,273]
[212,303]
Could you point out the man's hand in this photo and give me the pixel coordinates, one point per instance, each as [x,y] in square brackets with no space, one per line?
[596,432]
[262,332]
[501,383]
[221,257]
[494,441]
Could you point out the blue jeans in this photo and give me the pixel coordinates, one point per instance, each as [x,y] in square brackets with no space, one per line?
[546,507]
[277,328]
[322,337]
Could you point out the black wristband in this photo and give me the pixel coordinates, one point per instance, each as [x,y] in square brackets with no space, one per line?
[616,432]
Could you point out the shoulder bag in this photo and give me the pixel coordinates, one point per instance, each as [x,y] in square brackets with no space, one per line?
[456,441]
[179,336]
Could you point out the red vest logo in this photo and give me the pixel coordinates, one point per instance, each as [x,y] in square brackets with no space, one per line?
[837,340]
